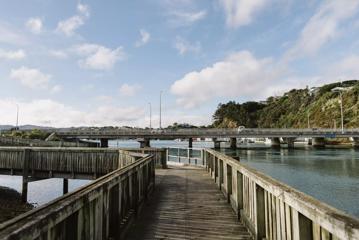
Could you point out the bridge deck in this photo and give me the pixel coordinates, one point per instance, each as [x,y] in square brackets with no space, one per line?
[187,205]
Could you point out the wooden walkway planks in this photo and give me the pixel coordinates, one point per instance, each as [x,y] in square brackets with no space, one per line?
[186,204]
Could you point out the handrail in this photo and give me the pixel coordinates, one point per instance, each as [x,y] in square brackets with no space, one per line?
[273,210]
[110,202]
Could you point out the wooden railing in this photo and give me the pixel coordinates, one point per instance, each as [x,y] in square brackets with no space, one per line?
[273,210]
[102,209]
[159,154]
[15,141]
[83,163]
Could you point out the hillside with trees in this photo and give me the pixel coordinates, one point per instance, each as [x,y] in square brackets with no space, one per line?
[321,105]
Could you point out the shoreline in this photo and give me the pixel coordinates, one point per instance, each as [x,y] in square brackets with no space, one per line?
[11,204]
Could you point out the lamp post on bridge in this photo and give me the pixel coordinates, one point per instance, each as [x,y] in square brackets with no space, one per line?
[150,115]
[161,109]
[339,90]
[17,116]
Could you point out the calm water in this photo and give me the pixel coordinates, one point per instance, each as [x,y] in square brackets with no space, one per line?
[329,175]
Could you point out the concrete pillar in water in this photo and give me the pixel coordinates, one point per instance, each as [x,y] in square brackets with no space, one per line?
[275,142]
[217,144]
[290,142]
[65,186]
[356,142]
[318,142]
[144,143]
[309,141]
[190,142]
[104,142]
[233,143]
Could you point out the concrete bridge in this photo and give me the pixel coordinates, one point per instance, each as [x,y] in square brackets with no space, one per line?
[145,135]
[216,197]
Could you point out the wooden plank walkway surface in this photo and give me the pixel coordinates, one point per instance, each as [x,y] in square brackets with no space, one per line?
[186,204]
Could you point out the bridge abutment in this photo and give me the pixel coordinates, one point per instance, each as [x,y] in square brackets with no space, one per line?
[104,142]
[318,142]
[144,143]
[233,143]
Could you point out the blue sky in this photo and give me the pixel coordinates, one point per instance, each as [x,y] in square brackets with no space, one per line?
[96,63]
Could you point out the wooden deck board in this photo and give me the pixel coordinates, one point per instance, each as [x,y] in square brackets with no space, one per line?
[187,204]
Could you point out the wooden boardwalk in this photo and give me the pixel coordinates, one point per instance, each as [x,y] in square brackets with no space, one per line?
[186,204]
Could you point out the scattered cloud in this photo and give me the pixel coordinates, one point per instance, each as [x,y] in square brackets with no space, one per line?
[240,74]
[129,90]
[70,25]
[145,37]
[241,12]
[12,55]
[56,89]
[98,57]
[183,46]
[31,77]
[34,25]
[83,9]
[184,18]
[322,27]
[47,112]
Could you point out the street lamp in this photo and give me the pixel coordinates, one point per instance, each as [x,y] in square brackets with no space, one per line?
[17,116]
[150,115]
[339,90]
[161,109]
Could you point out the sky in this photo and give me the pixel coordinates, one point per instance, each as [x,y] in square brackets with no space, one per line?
[101,63]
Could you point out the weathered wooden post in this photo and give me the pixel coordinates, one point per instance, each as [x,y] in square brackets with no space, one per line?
[65,186]
[239,193]
[260,218]
[25,173]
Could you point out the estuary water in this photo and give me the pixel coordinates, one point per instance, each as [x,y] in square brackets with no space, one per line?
[329,175]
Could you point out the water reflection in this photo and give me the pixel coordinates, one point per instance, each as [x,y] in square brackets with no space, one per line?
[330,175]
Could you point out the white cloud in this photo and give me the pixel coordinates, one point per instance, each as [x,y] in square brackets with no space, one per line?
[34,25]
[83,9]
[240,74]
[56,89]
[12,55]
[129,90]
[31,77]
[70,25]
[98,57]
[241,12]
[58,54]
[183,18]
[322,27]
[145,37]
[47,112]
[183,46]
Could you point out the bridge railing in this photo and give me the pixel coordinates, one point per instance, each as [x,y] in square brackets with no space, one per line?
[83,163]
[102,209]
[190,156]
[273,210]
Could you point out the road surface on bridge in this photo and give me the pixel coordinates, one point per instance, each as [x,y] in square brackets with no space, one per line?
[187,205]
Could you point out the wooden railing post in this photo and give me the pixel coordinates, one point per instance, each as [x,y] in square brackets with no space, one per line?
[260,209]
[25,174]
[239,193]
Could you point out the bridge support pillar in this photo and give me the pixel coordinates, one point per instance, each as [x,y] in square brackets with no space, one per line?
[217,144]
[190,142]
[318,142]
[309,141]
[104,142]
[144,143]
[65,186]
[275,142]
[233,143]
[25,175]
[356,142]
[24,189]
[290,142]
